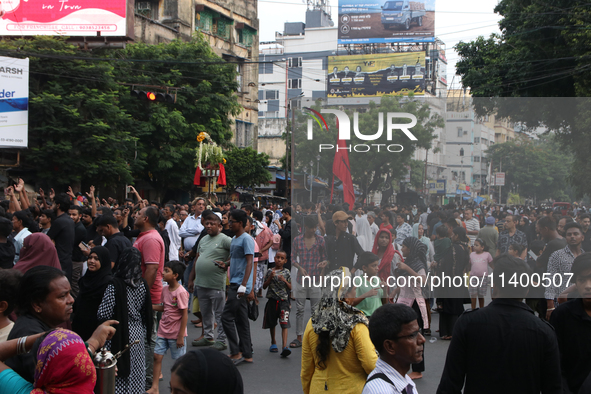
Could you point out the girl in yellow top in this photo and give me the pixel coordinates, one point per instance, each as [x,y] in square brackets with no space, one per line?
[337,353]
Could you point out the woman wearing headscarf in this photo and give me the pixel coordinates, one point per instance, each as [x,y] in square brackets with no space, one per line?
[205,371]
[37,250]
[450,299]
[127,299]
[92,288]
[411,292]
[337,352]
[389,257]
[364,235]
[63,365]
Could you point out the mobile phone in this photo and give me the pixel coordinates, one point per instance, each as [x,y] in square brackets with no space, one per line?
[532,255]
[84,245]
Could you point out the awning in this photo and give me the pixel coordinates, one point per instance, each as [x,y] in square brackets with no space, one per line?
[281,177]
[458,191]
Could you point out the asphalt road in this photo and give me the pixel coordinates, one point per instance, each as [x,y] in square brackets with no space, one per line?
[272,374]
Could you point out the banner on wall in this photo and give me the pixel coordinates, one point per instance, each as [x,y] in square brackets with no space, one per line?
[63,17]
[375,76]
[385,21]
[14,102]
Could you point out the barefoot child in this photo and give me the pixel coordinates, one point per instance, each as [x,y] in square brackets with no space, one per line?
[173,326]
[479,261]
[278,281]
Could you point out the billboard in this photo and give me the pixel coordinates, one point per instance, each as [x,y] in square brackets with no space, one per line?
[376,75]
[63,17]
[385,21]
[500,179]
[14,102]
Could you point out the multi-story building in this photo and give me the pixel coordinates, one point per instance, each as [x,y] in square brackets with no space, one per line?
[230,27]
[467,140]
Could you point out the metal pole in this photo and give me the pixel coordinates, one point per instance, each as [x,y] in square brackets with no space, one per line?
[500,187]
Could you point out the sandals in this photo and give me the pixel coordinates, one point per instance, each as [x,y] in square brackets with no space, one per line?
[286,352]
[295,343]
[274,348]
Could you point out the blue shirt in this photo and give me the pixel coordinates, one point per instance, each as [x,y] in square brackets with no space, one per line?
[12,383]
[241,247]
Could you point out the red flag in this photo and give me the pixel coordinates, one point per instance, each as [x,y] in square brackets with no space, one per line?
[222,177]
[197,177]
[342,169]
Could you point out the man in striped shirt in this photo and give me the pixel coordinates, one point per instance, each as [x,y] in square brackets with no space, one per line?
[395,332]
[472,225]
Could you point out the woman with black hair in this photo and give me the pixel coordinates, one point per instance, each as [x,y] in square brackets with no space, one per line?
[205,371]
[337,353]
[43,303]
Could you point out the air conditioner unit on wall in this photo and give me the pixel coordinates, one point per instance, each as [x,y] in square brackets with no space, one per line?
[144,6]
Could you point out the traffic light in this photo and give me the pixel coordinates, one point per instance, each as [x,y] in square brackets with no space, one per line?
[153,96]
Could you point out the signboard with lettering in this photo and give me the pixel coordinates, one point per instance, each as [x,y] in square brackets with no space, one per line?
[500,179]
[386,21]
[14,102]
[63,17]
[437,187]
[376,75]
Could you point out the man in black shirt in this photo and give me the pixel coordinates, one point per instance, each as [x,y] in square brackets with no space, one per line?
[342,247]
[572,322]
[585,221]
[288,232]
[502,348]
[107,226]
[78,257]
[62,233]
[546,227]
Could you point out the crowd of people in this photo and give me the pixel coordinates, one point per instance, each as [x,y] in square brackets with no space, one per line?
[97,274]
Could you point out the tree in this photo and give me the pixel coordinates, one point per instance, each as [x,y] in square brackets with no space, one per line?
[533,169]
[77,131]
[372,170]
[167,132]
[543,51]
[246,168]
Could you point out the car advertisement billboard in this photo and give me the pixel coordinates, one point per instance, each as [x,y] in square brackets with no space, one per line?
[14,102]
[385,21]
[63,17]
[376,75]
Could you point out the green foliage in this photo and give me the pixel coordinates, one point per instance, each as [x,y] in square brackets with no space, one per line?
[77,131]
[167,133]
[543,52]
[533,169]
[246,168]
[371,170]
[84,126]
[417,174]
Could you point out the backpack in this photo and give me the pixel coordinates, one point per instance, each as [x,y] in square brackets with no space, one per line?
[276,242]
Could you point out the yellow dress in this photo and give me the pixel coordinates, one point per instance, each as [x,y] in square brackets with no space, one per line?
[345,372]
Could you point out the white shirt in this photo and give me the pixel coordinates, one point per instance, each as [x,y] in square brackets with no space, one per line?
[380,386]
[18,242]
[190,231]
[175,240]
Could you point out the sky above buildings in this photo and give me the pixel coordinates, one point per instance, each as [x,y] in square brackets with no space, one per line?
[455,21]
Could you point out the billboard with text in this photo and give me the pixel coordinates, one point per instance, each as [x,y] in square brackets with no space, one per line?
[376,75]
[63,17]
[14,102]
[385,21]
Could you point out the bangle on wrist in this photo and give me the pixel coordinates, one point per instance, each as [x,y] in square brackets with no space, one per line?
[550,309]
[21,346]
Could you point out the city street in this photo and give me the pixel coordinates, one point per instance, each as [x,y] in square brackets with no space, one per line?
[272,374]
